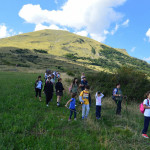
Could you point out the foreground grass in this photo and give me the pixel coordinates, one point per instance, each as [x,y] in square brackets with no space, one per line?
[28,124]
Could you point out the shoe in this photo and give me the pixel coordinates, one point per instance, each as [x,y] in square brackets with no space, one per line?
[145,136]
[57,104]
[69,119]
[47,105]
[75,119]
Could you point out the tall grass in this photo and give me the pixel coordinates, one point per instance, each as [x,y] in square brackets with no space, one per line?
[28,124]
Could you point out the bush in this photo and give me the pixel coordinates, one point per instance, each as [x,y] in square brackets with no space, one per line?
[70,73]
[134,83]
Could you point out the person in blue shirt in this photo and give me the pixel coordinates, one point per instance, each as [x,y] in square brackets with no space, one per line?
[72,108]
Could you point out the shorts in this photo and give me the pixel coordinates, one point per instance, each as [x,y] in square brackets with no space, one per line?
[59,93]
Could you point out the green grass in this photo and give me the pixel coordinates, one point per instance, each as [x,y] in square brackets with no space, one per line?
[26,123]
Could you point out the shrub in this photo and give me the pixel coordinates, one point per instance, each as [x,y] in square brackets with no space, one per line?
[134,83]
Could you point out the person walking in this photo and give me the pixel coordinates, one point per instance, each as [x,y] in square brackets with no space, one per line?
[38,87]
[48,90]
[146,105]
[59,90]
[117,94]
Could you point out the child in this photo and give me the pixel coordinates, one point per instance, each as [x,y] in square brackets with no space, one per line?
[98,97]
[38,87]
[85,99]
[72,108]
[146,105]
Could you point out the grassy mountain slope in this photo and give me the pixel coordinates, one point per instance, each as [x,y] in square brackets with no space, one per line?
[42,48]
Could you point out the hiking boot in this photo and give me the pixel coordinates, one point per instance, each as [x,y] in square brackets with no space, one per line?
[145,136]
[75,119]
[57,103]
[47,105]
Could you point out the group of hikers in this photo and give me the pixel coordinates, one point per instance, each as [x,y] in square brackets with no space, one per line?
[84,97]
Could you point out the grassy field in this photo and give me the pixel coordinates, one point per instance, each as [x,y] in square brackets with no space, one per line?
[27,124]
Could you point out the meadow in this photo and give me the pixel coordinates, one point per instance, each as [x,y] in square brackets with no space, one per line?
[27,124]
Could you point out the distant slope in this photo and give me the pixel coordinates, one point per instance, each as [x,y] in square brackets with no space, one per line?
[52,47]
[56,42]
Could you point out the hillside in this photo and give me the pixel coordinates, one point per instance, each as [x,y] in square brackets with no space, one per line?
[34,49]
[28,124]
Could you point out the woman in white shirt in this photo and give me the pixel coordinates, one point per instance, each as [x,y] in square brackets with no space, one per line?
[146,105]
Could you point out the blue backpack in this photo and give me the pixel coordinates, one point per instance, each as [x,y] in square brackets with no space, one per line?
[114,97]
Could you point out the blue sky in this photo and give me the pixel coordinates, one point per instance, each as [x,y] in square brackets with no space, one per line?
[118,23]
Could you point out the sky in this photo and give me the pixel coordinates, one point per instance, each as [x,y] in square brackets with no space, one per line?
[118,23]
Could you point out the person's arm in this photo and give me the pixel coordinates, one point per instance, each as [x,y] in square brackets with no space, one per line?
[96,95]
[80,97]
[146,107]
[102,95]
[68,102]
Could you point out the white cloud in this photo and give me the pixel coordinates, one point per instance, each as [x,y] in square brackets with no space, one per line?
[146,59]
[96,16]
[126,23]
[82,33]
[115,29]
[133,49]
[5,32]
[148,34]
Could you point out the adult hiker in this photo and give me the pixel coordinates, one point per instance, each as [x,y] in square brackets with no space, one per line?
[117,97]
[83,83]
[74,86]
[38,87]
[146,105]
[59,90]
[48,89]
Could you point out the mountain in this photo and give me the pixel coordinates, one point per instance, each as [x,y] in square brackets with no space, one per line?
[57,47]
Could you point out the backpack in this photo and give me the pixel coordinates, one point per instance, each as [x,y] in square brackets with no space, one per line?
[114,97]
[142,107]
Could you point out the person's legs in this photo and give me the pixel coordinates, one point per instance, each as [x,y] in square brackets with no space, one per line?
[146,124]
[83,110]
[47,98]
[87,110]
[97,114]
[71,112]
[119,107]
[75,113]
[99,111]
[39,90]
[58,99]
[36,92]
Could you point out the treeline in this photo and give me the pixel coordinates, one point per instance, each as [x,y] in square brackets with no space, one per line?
[134,84]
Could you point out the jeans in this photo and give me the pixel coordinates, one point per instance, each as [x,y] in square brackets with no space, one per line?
[146,124]
[118,110]
[98,111]
[85,108]
[71,113]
